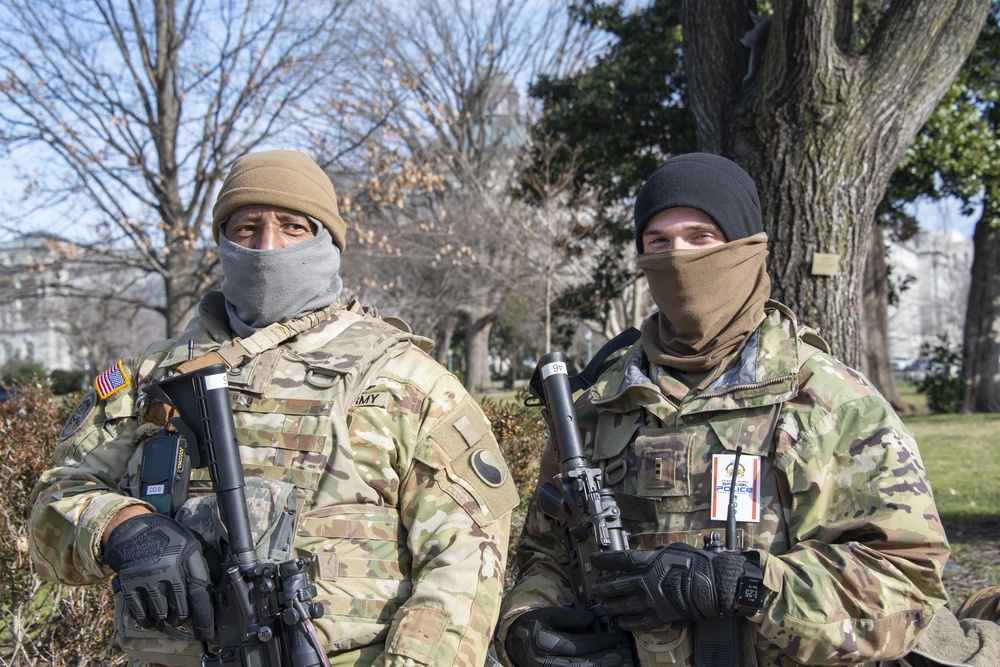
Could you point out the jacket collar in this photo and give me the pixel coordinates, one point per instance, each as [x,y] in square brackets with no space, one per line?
[209,329]
[765,373]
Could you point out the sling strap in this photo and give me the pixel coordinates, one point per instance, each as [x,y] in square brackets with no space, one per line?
[600,363]
[238,350]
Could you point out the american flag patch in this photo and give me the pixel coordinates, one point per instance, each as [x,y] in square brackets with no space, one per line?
[111,380]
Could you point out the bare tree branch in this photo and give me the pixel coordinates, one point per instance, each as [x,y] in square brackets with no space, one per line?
[124,115]
[444,238]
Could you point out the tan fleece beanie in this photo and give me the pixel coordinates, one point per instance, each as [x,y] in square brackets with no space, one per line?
[289,179]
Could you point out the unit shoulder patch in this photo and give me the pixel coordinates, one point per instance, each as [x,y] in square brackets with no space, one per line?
[80,413]
[489,467]
[481,483]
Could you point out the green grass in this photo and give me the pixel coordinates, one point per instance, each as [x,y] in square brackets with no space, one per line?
[962,456]
[908,392]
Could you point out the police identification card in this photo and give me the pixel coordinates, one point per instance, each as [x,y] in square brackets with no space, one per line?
[747,487]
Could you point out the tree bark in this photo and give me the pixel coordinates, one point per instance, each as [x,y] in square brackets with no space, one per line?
[477,341]
[442,346]
[875,362]
[982,320]
[821,128]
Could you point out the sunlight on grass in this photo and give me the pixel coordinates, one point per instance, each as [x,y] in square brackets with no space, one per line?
[908,392]
[962,456]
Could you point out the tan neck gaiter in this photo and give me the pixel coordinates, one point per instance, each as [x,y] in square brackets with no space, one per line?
[709,302]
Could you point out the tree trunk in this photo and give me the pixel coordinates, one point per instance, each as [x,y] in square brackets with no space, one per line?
[821,128]
[876,361]
[548,308]
[982,321]
[180,284]
[477,341]
[442,346]
[515,355]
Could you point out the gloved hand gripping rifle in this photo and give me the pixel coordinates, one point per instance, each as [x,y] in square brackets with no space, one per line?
[578,501]
[263,609]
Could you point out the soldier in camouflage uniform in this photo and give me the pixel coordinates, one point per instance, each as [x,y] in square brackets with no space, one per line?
[400,492]
[839,523]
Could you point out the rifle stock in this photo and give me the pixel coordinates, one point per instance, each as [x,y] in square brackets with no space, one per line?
[263,609]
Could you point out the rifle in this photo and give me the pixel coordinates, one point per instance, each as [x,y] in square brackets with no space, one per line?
[263,609]
[578,500]
[590,516]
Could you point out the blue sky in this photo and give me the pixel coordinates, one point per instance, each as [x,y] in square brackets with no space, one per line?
[943,215]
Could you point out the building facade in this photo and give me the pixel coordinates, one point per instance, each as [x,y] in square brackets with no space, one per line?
[64,309]
[939,267]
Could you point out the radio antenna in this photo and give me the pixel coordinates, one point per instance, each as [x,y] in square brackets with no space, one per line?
[731,515]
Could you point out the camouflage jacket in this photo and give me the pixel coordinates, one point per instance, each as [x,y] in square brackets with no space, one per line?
[404,498]
[851,545]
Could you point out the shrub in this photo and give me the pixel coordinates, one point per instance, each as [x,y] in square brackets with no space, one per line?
[41,623]
[18,370]
[54,625]
[522,434]
[944,382]
[65,382]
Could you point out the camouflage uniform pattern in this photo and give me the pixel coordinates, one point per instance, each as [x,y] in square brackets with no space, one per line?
[983,604]
[851,545]
[403,496]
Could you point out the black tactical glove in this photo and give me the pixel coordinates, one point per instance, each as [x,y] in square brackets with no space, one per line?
[162,574]
[560,637]
[650,589]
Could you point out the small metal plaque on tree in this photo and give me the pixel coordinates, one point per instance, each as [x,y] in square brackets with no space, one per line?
[825,264]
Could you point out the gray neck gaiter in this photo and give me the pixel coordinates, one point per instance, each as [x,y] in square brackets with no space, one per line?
[267,286]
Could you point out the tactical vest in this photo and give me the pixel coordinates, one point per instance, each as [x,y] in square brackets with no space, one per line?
[290,407]
[663,487]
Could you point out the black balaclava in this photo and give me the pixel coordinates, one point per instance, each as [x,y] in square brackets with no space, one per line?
[709,183]
[709,299]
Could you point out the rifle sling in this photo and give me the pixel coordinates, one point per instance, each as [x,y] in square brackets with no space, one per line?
[600,362]
[234,353]
[238,350]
